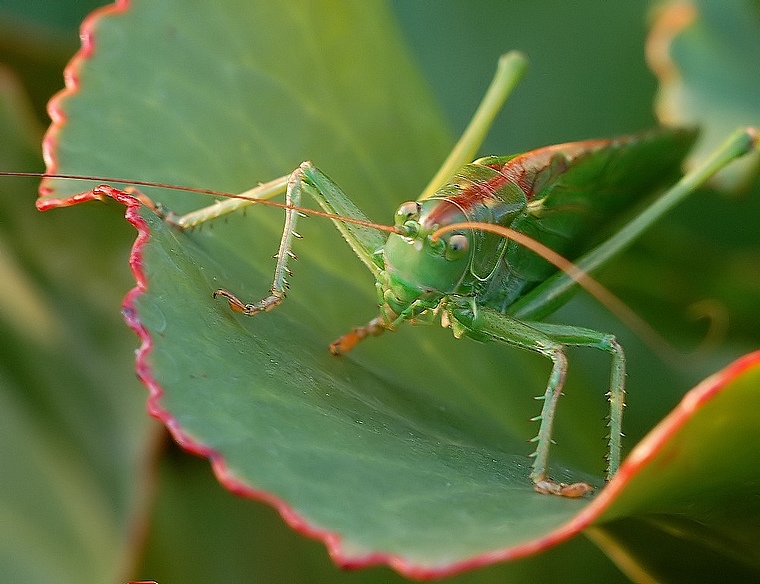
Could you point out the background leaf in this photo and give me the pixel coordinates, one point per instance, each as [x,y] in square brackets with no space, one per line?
[706,57]
[677,480]
[73,436]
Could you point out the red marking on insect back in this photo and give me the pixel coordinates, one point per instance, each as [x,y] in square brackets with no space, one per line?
[479,192]
[450,210]
[530,171]
[445,212]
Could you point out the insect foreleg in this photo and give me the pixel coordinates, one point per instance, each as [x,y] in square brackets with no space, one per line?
[417,311]
[345,343]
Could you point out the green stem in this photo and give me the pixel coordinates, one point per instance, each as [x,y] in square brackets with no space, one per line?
[508,73]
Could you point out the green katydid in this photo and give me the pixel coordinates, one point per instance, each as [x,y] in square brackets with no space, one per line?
[444,260]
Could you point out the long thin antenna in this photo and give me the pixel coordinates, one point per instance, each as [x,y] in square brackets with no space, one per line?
[146,201]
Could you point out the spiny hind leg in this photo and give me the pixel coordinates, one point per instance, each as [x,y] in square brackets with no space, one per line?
[262,192]
[279,287]
[583,337]
[363,239]
[500,327]
[353,224]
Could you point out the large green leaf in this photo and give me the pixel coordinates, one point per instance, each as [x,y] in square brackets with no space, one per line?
[318,432]
[385,454]
[390,466]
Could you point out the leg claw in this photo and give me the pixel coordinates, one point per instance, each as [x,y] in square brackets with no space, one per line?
[571,491]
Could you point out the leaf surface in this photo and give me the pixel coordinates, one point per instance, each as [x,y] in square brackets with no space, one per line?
[384,454]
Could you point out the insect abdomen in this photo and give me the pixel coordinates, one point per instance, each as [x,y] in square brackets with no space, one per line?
[576,192]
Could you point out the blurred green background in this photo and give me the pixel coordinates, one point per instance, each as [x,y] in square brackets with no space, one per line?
[77,449]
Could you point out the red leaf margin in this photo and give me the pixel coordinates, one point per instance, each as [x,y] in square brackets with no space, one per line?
[644,452]
[56,111]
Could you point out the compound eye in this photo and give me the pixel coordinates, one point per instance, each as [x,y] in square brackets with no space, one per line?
[456,247]
[409,211]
